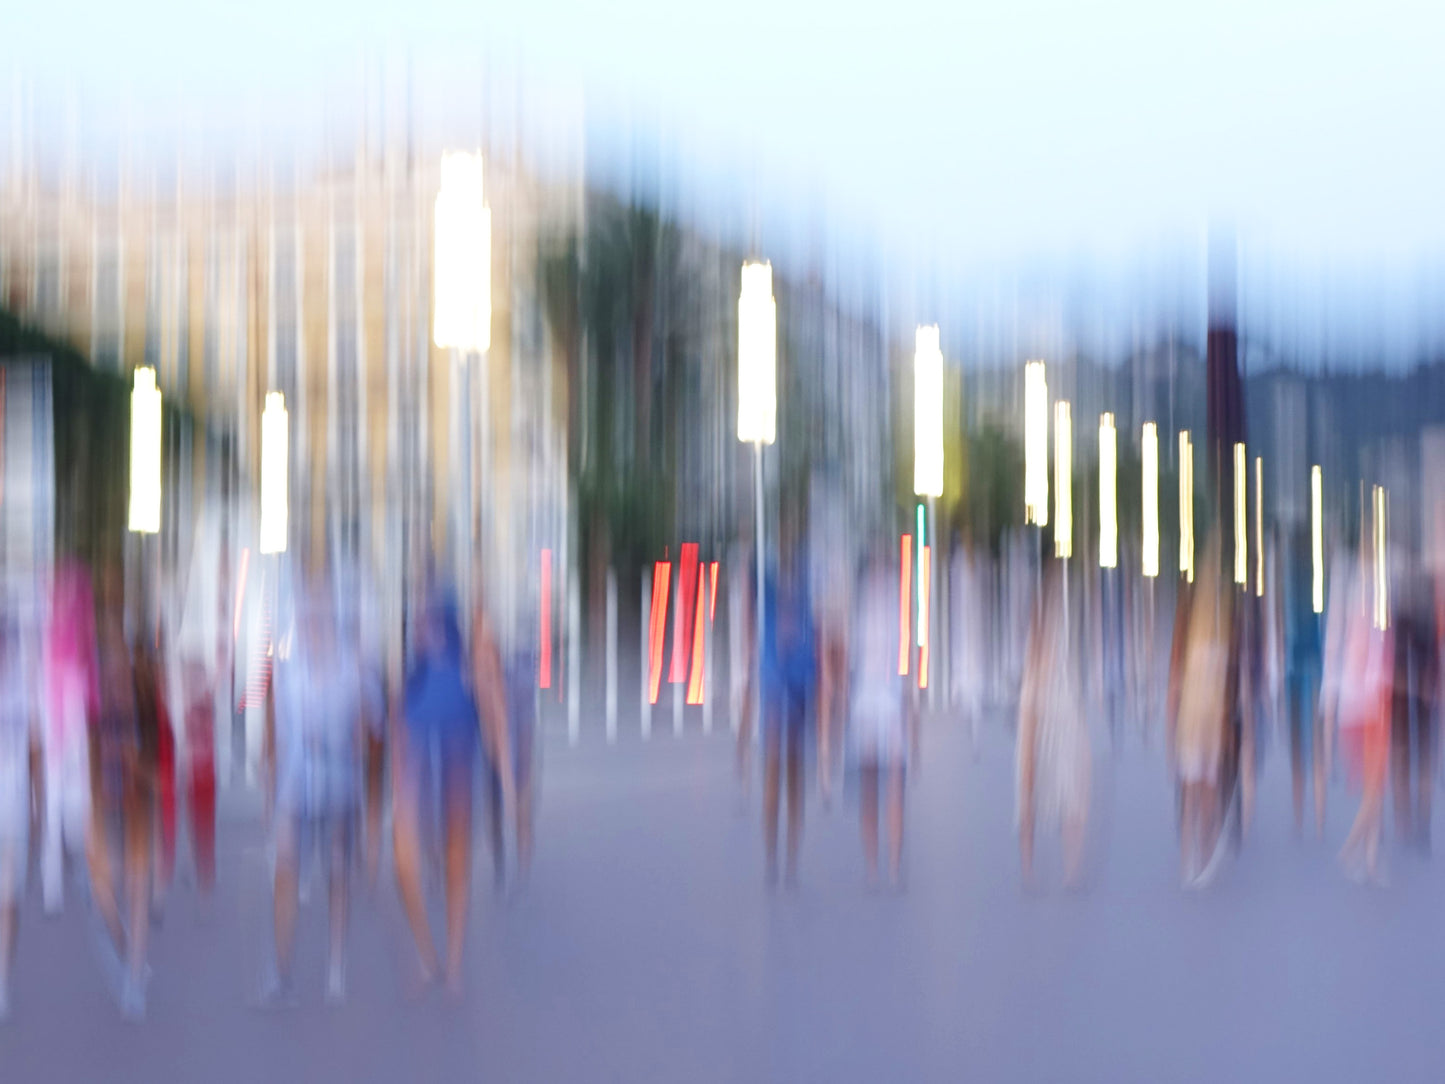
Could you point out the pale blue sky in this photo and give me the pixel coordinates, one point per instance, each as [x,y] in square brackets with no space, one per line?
[963,141]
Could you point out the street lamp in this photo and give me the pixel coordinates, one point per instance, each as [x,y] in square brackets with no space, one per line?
[1382,580]
[1259,526]
[1241,522]
[462,254]
[758,389]
[1186,506]
[1317,541]
[1150,458]
[1036,444]
[927,468]
[145,453]
[1108,492]
[274,438]
[1063,480]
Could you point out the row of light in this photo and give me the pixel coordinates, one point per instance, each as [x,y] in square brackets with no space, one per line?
[1036,496]
[144,506]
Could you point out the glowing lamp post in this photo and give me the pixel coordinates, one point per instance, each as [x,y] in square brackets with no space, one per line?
[462,254]
[1036,444]
[758,388]
[1241,523]
[1149,455]
[1063,480]
[1382,577]
[927,468]
[145,453]
[1108,492]
[1317,541]
[1186,506]
[274,438]
[1259,526]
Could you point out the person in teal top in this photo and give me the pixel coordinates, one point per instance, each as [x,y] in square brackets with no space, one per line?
[1304,646]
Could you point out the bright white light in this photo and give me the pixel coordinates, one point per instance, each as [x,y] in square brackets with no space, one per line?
[1149,454]
[927,414]
[1108,496]
[1186,506]
[1036,444]
[1259,526]
[274,438]
[1241,524]
[1382,578]
[1063,480]
[1317,539]
[757,356]
[462,251]
[145,453]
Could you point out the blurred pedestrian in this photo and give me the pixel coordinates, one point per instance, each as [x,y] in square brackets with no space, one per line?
[436,758]
[788,674]
[1054,760]
[315,735]
[1304,640]
[1203,700]
[19,721]
[1363,720]
[72,698]
[878,713]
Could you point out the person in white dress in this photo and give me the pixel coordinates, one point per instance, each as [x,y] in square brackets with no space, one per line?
[879,739]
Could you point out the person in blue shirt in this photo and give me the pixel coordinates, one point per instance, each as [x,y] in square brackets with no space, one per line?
[1304,646]
[437,749]
[788,675]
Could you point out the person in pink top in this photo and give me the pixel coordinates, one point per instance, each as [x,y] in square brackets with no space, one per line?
[72,698]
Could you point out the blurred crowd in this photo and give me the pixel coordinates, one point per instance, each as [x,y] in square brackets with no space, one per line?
[108,734]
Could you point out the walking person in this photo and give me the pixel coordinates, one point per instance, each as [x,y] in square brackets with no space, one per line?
[1054,761]
[879,716]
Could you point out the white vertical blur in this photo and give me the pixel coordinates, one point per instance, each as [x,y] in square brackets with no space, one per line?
[927,414]
[1241,518]
[1259,526]
[274,439]
[145,453]
[1108,492]
[757,355]
[1186,506]
[1317,542]
[1382,578]
[1150,459]
[1036,444]
[462,251]
[1063,480]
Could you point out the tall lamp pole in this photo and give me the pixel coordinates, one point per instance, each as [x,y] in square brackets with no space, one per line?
[927,476]
[144,511]
[462,313]
[758,391]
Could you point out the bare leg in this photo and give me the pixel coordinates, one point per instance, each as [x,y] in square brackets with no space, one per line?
[1188,832]
[336,970]
[102,881]
[868,820]
[406,841]
[9,918]
[458,885]
[795,800]
[524,824]
[1319,766]
[375,763]
[138,892]
[895,824]
[772,772]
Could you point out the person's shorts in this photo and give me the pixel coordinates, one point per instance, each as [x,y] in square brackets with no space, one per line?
[785,711]
[441,763]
